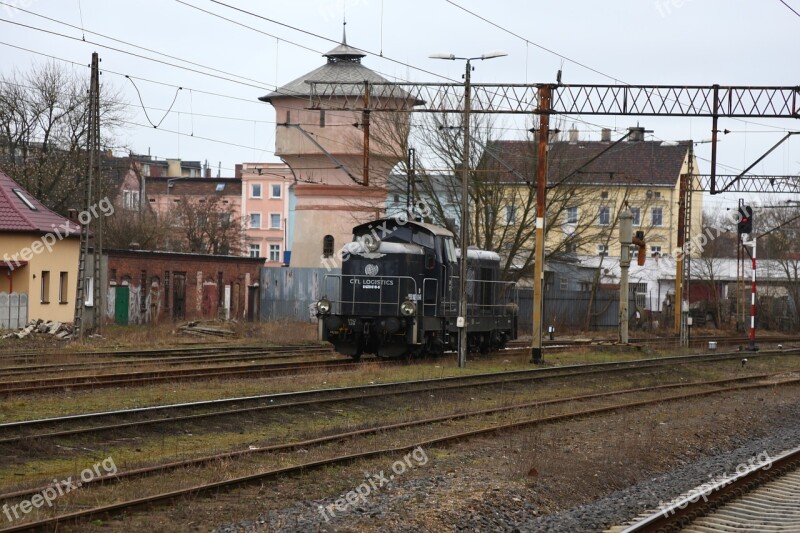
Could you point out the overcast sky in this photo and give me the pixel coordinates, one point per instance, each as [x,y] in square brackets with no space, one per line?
[677,42]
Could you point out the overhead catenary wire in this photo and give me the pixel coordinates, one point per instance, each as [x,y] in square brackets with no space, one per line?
[146,114]
[793,10]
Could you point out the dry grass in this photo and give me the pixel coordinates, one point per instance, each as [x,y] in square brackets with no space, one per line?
[167,334]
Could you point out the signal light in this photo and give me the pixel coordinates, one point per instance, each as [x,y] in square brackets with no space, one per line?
[745,224]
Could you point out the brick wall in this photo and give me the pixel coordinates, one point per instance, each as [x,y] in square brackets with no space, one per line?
[175,286]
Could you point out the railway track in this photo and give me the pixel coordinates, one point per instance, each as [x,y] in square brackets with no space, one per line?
[393,440]
[762,497]
[171,414]
[84,382]
[162,352]
[235,356]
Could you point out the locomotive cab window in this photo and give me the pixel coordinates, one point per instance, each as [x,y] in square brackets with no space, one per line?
[430,259]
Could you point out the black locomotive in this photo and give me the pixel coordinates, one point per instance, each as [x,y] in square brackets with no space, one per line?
[398,294]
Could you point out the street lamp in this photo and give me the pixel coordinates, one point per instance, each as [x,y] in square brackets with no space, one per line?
[462,281]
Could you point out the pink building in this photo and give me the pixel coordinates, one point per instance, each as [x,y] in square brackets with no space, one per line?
[265,205]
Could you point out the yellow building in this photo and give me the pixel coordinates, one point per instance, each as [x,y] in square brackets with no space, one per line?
[39,253]
[589,182]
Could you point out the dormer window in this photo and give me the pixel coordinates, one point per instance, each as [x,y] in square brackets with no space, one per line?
[25,199]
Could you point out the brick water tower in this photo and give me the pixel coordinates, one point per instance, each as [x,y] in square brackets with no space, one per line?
[325,150]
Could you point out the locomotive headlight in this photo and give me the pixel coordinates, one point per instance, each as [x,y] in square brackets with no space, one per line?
[407,308]
[324,306]
[372,243]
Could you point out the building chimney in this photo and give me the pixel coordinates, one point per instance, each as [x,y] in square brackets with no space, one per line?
[134,246]
[637,134]
[573,134]
[208,172]
[173,168]
[605,135]
[238,170]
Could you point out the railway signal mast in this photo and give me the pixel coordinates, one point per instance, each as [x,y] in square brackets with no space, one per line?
[744,227]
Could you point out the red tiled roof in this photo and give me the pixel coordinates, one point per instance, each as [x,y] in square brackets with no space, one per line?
[16,216]
[627,163]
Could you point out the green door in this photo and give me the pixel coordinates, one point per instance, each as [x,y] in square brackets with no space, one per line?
[121,306]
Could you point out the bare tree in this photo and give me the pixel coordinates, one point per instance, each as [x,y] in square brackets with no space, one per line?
[779,240]
[207,226]
[43,131]
[142,227]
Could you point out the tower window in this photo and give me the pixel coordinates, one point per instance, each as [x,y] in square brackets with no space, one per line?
[327,246]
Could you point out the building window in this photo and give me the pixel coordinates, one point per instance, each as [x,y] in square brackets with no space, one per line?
[604,217]
[220,187]
[275,221]
[572,215]
[571,248]
[637,216]
[130,200]
[657,216]
[275,191]
[655,251]
[604,195]
[511,215]
[397,198]
[255,220]
[255,250]
[563,283]
[321,118]
[63,287]
[327,246]
[45,287]
[657,195]
[275,252]
[602,250]
[25,199]
[255,190]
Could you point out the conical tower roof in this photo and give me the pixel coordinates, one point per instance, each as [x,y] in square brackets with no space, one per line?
[343,66]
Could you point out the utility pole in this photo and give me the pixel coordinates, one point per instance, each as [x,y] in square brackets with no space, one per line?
[683,265]
[625,241]
[541,187]
[462,276]
[411,171]
[94,228]
[461,321]
[365,123]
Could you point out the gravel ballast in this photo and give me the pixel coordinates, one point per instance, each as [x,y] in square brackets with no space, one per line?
[582,475]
